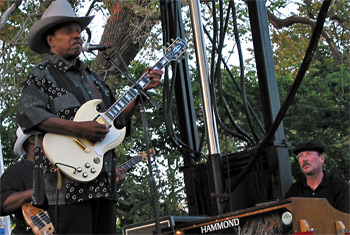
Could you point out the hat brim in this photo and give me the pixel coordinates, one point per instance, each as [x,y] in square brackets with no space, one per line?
[18,147]
[303,148]
[36,40]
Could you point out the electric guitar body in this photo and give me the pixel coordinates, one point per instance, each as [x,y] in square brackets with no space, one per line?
[38,220]
[79,158]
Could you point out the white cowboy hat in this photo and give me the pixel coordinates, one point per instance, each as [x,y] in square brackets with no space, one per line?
[21,138]
[60,11]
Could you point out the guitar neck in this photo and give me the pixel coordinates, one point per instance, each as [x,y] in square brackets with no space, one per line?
[117,108]
[130,163]
[173,52]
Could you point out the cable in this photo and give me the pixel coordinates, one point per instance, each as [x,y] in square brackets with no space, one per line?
[239,88]
[168,88]
[241,62]
[167,104]
[241,134]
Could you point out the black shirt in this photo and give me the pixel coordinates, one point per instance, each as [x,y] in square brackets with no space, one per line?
[17,178]
[332,188]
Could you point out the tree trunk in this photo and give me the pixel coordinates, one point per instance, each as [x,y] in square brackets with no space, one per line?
[125,31]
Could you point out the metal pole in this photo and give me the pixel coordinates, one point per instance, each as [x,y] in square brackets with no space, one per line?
[215,165]
[204,76]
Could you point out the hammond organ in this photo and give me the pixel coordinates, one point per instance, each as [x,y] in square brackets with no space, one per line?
[290,216]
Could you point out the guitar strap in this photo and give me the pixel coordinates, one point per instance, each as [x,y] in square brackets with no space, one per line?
[38,184]
[97,94]
[63,81]
[106,93]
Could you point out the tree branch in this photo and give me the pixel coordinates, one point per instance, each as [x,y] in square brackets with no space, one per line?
[25,25]
[9,12]
[289,21]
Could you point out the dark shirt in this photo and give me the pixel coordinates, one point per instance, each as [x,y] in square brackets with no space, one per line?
[56,88]
[17,178]
[332,188]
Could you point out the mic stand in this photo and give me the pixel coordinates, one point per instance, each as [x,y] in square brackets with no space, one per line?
[144,93]
[146,136]
[152,181]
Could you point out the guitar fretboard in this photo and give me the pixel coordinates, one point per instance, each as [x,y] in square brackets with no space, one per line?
[40,218]
[172,53]
[130,163]
[117,108]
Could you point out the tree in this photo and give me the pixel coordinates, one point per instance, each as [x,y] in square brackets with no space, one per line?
[126,30]
[333,33]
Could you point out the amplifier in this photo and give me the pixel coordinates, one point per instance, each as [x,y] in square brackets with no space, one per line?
[149,227]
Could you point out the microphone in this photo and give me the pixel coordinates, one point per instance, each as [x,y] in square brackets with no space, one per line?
[88,47]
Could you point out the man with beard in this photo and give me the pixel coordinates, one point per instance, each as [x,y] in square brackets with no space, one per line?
[318,183]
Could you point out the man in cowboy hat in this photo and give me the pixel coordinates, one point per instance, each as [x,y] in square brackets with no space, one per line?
[17,182]
[318,183]
[54,91]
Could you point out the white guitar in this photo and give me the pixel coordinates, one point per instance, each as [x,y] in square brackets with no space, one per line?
[81,159]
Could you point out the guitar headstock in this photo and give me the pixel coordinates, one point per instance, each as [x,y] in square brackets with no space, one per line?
[144,156]
[176,49]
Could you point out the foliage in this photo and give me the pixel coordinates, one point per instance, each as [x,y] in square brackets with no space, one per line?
[320,112]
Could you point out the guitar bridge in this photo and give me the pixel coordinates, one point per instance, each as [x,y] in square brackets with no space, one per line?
[81,144]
